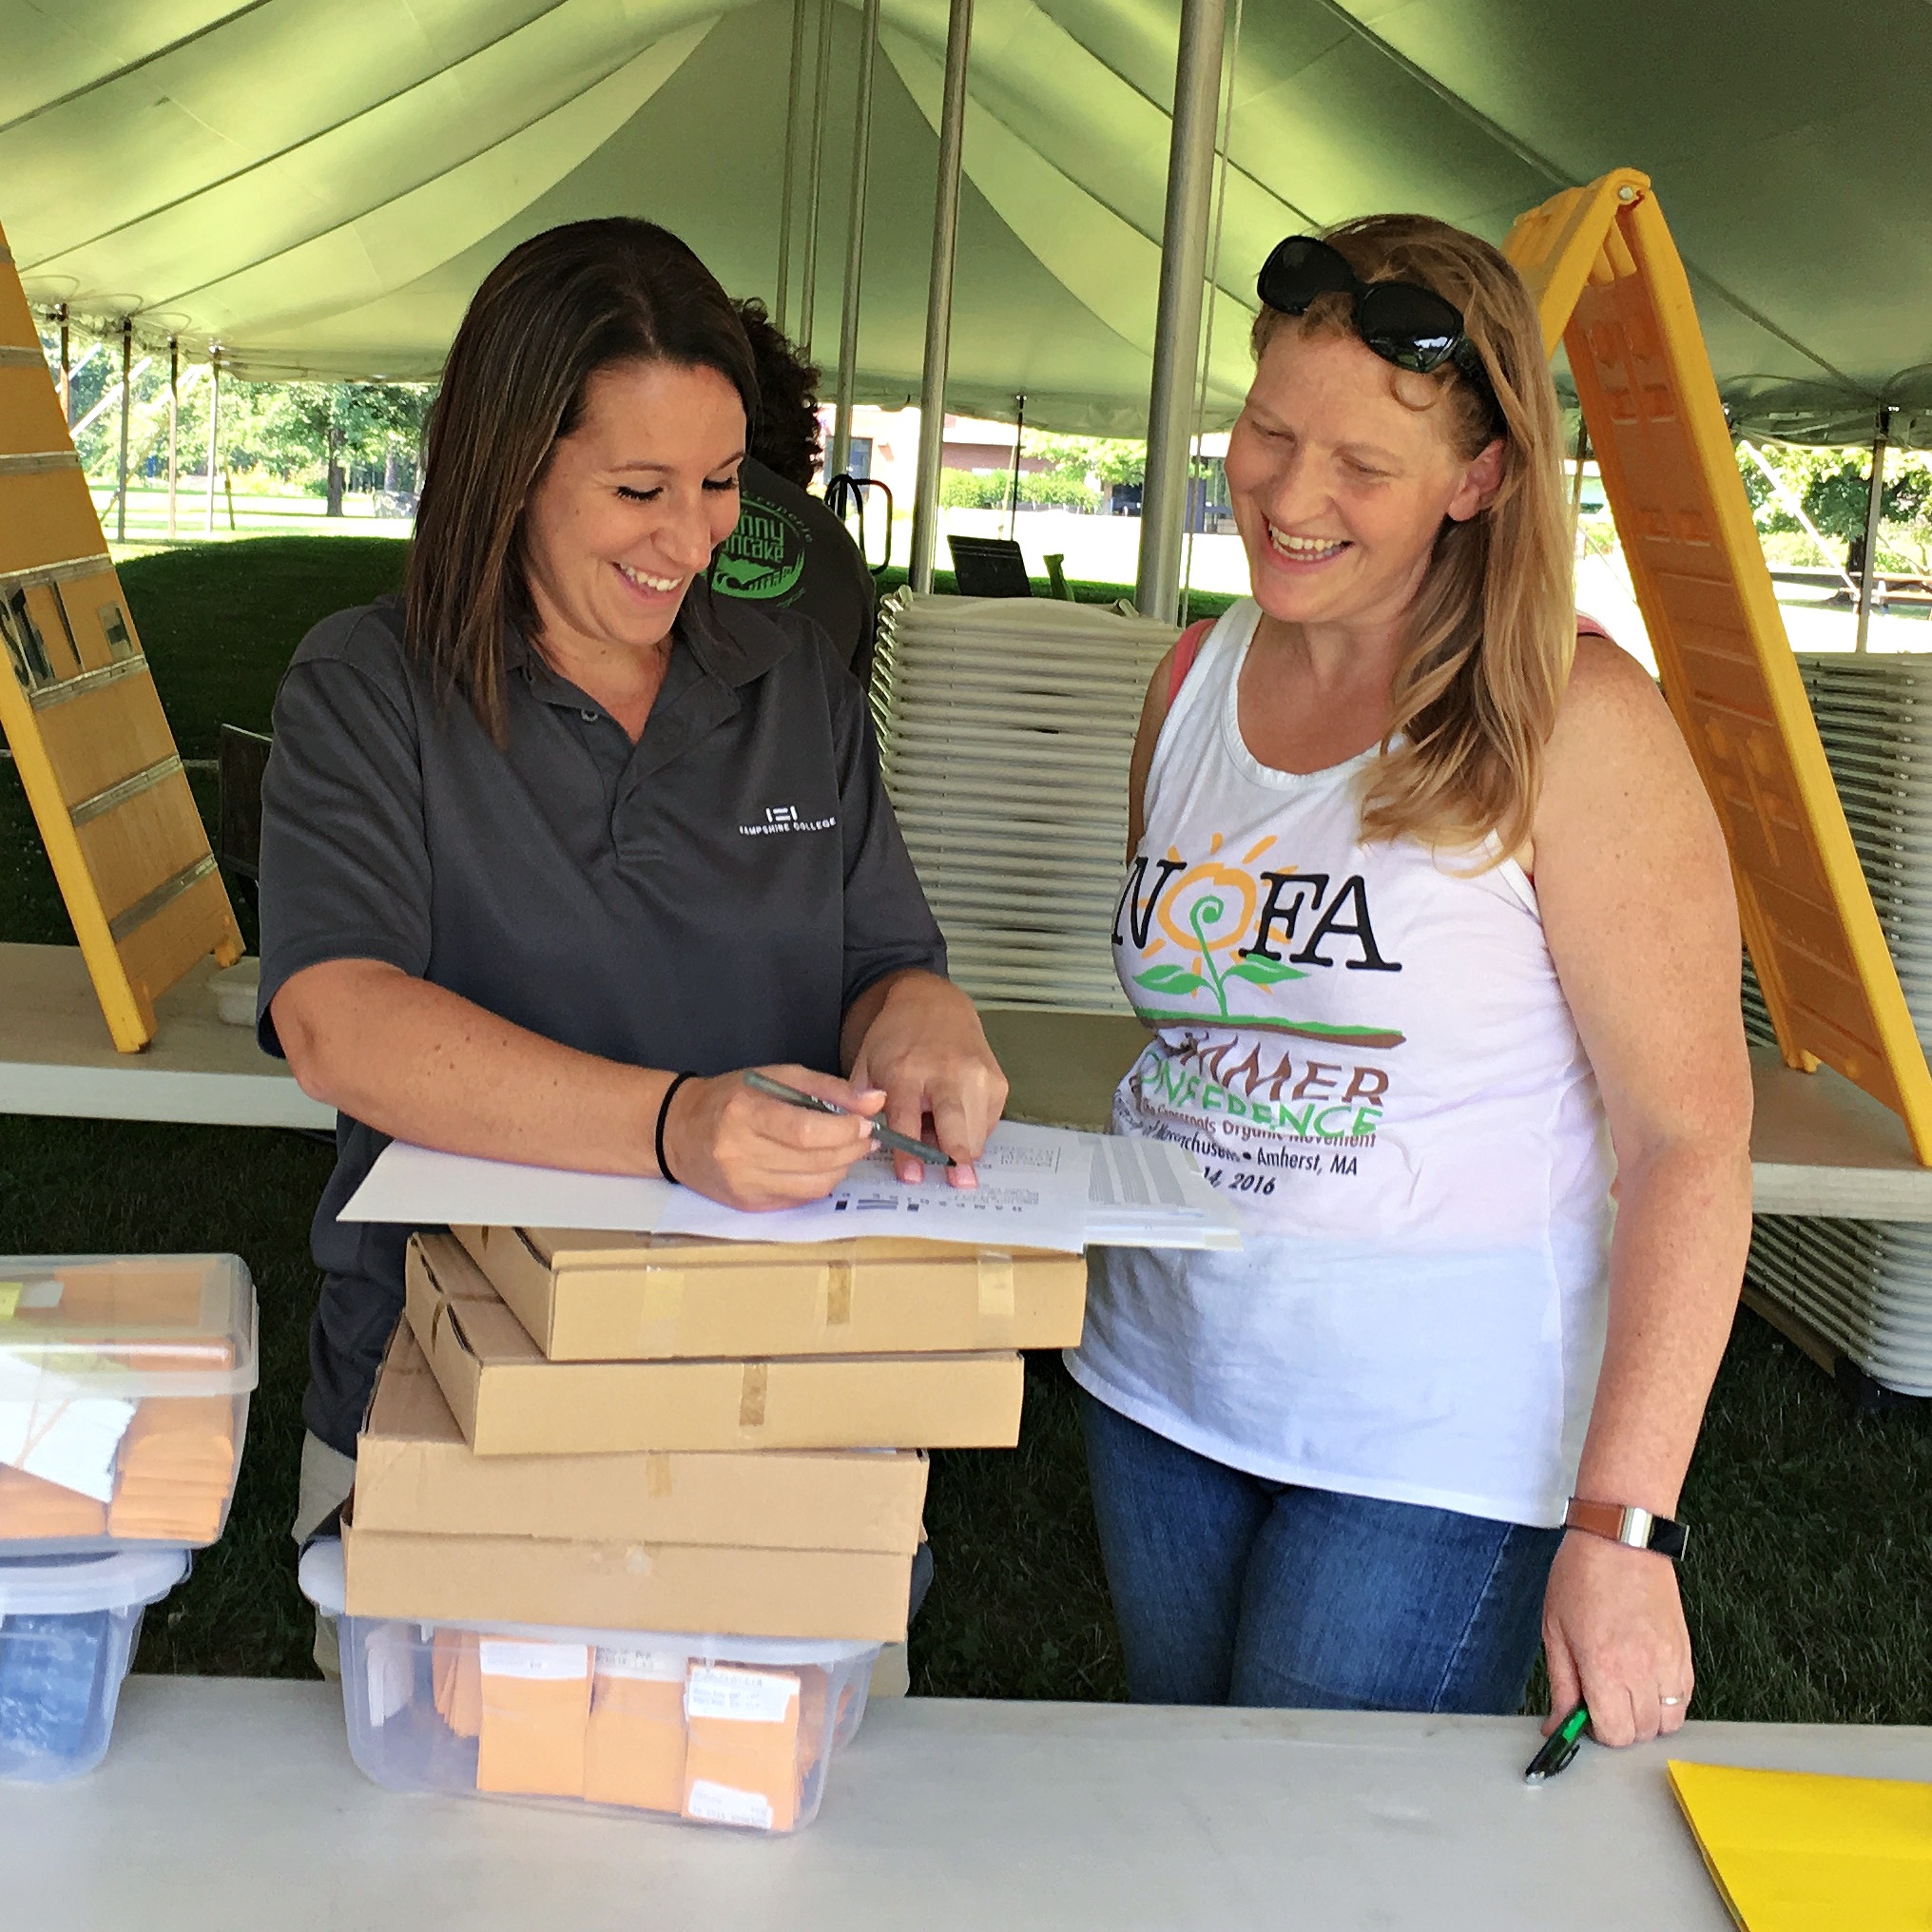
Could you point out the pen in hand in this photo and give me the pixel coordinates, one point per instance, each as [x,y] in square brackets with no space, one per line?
[886,1136]
[1559,1748]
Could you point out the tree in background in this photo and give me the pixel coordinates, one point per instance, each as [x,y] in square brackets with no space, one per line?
[1835,488]
[333,435]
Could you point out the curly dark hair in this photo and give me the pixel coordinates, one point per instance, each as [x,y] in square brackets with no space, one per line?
[785,432]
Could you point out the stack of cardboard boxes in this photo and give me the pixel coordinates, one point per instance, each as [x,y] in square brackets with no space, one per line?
[659,1434]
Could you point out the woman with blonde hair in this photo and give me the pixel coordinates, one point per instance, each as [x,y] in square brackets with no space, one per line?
[1432,922]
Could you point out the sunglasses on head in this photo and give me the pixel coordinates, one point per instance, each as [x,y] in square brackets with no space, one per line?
[1403,322]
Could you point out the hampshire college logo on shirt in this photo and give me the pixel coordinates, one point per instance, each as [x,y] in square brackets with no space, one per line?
[786,819]
[763,557]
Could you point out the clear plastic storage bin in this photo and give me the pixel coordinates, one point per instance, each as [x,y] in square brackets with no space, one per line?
[714,1731]
[68,1630]
[123,1399]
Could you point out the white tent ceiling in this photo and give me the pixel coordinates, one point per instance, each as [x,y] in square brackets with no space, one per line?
[319,185]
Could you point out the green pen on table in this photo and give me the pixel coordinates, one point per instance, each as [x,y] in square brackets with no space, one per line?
[885,1136]
[1559,1748]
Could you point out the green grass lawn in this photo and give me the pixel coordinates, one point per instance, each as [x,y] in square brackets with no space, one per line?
[1810,1583]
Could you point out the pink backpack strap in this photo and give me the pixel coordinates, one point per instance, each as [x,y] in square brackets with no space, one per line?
[1588,626]
[1187,647]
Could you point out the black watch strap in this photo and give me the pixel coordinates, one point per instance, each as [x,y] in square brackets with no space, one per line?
[1628,1524]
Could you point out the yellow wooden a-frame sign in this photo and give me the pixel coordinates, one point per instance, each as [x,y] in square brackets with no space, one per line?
[1612,288]
[78,707]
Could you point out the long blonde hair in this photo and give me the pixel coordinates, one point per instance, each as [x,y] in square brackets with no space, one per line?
[1493,628]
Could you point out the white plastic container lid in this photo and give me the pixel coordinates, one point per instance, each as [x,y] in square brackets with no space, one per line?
[125,1326]
[322,1584]
[74,1584]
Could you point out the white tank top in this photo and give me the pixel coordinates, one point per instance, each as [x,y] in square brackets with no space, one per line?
[1367,1048]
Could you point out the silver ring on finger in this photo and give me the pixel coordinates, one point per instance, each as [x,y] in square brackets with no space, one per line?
[1669,1703]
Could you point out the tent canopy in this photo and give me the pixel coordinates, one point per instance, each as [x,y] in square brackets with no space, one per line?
[320,187]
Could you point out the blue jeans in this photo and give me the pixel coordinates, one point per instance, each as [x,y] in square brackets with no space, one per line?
[1230,1589]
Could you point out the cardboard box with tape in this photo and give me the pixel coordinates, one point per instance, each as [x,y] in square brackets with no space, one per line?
[509,1399]
[636,1297]
[415,1474]
[860,1594]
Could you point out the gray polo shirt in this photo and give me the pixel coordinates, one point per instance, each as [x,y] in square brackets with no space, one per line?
[714,897]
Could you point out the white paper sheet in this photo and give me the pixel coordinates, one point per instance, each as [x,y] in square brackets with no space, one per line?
[1032,1193]
[1149,1193]
[430,1189]
[51,1427]
[1040,1186]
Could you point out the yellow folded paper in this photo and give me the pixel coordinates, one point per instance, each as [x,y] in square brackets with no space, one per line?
[1792,1852]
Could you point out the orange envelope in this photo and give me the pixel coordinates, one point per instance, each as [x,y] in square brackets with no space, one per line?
[740,1764]
[634,1748]
[30,1507]
[457,1672]
[537,1703]
[177,1462]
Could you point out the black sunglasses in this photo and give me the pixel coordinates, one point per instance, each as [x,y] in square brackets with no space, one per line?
[1404,324]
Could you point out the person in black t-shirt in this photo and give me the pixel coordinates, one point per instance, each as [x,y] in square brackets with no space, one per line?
[789,553]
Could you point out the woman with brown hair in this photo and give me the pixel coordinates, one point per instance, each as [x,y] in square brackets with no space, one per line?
[1433,925]
[556,844]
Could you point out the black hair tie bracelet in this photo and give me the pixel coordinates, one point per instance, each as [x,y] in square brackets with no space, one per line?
[664,1110]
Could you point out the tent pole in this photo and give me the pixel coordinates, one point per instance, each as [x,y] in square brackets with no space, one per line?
[1177,324]
[841,458]
[173,428]
[213,424]
[65,372]
[1576,481]
[809,293]
[1868,577]
[788,174]
[939,297]
[126,409]
[1018,439]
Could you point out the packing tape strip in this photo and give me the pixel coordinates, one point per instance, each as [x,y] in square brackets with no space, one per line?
[751,1395]
[664,1294]
[995,1286]
[838,1293]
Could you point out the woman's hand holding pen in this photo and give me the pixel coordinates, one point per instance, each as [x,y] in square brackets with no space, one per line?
[922,1043]
[748,1150]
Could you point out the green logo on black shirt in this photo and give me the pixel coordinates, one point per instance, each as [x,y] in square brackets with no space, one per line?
[764,556]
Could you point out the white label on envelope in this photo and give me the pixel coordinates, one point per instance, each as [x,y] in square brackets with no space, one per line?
[649,1667]
[740,1696]
[723,1805]
[545,1663]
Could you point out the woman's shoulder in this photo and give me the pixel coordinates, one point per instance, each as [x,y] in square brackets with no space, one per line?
[780,649]
[367,637]
[1615,748]
[1608,692]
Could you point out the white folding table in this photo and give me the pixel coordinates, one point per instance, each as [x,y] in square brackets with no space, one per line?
[56,1057]
[231,1805]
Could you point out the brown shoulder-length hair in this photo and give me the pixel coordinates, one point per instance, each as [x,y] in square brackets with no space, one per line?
[553,313]
[1493,628]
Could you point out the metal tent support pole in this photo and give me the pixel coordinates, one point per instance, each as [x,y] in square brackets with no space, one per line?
[789,172]
[1576,481]
[127,410]
[939,297]
[66,374]
[1868,578]
[1018,438]
[1177,323]
[809,291]
[173,430]
[214,425]
[841,458]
